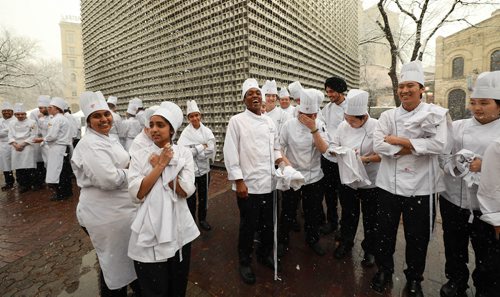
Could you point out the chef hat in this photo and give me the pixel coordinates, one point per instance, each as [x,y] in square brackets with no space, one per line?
[43,101]
[132,108]
[137,102]
[172,113]
[92,101]
[487,86]
[357,102]
[112,100]
[310,100]
[100,95]
[191,107]
[295,89]
[248,84]
[58,102]
[412,71]
[19,108]
[269,88]
[283,92]
[6,106]
[148,113]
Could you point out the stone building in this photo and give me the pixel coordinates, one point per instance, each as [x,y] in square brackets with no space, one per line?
[203,50]
[460,58]
[72,60]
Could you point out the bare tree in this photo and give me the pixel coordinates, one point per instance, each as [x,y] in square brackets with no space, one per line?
[426,17]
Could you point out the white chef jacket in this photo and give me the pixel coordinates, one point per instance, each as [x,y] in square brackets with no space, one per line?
[279,117]
[133,128]
[141,141]
[290,110]
[58,139]
[298,144]
[416,174]
[105,207]
[117,130]
[194,139]
[332,115]
[74,127]
[141,117]
[23,132]
[163,223]
[42,123]
[361,140]
[488,194]
[5,147]
[471,135]
[250,149]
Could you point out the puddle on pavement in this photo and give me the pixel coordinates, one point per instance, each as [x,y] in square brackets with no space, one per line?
[86,285]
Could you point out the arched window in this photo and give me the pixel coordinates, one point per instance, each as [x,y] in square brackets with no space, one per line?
[495,61]
[457,70]
[456,104]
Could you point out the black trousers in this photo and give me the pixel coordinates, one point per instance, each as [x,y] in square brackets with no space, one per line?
[331,187]
[415,211]
[9,178]
[312,196]
[201,183]
[164,279]
[256,213]
[352,202]
[65,187]
[456,234]
[26,177]
[40,172]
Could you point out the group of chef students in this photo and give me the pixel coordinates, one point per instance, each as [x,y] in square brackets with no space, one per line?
[410,162]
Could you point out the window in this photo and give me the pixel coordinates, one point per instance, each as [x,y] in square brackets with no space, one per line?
[456,104]
[72,63]
[457,67]
[71,50]
[70,37]
[73,93]
[73,77]
[495,61]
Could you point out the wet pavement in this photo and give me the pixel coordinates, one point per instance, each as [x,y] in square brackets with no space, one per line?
[43,252]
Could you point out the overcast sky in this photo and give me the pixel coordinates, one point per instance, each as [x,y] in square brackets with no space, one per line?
[39,20]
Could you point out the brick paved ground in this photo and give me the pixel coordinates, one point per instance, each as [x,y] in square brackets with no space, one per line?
[43,252]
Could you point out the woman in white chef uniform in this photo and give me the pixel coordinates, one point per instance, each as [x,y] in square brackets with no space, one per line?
[160,244]
[356,133]
[22,131]
[459,204]
[105,209]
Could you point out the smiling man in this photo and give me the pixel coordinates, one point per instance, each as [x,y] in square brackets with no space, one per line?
[251,148]
[409,139]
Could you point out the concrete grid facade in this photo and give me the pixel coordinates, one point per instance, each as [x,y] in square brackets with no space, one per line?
[180,50]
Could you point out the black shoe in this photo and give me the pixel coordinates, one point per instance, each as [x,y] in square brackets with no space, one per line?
[368,260]
[205,226]
[341,251]
[327,228]
[23,189]
[295,226]
[247,274]
[453,289]
[380,281]
[268,262]
[7,187]
[414,289]
[318,249]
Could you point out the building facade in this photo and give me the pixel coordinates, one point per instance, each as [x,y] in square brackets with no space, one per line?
[180,50]
[460,58]
[72,60]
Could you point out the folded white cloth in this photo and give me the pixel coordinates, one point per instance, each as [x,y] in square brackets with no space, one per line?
[351,169]
[288,177]
[426,121]
[461,162]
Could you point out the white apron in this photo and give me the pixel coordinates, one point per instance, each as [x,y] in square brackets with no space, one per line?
[55,160]
[24,159]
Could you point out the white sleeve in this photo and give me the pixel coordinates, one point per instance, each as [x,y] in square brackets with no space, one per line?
[102,172]
[231,152]
[186,175]
[488,194]
[383,129]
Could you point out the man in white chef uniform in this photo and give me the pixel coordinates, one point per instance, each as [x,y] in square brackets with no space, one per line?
[408,139]
[5,148]
[278,115]
[41,117]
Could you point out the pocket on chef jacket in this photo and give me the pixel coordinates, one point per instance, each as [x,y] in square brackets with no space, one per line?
[406,173]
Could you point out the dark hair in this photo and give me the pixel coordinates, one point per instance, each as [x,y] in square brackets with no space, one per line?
[336,83]
[360,117]
[497,101]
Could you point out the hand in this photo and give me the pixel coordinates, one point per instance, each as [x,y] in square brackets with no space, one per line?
[475,165]
[308,122]
[171,183]
[153,159]
[205,145]
[404,151]
[37,140]
[391,139]
[241,189]
[166,155]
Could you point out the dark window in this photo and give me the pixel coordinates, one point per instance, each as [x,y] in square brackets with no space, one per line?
[457,67]
[456,104]
[495,61]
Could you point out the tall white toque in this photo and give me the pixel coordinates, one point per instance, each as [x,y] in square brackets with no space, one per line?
[412,71]
[248,84]
[283,92]
[19,108]
[295,89]
[310,100]
[357,102]
[269,88]
[90,102]
[137,102]
[112,100]
[43,101]
[132,108]
[487,86]
[191,107]
[172,113]
[6,106]
[58,102]
[148,113]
